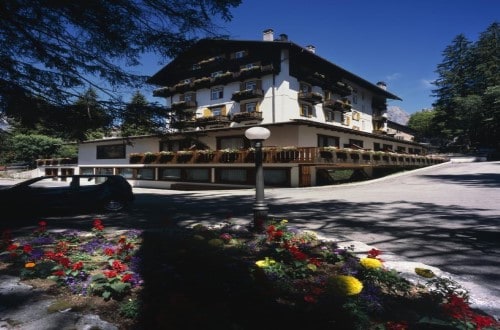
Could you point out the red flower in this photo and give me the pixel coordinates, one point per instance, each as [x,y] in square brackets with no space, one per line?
[12,247]
[109,251]
[119,266]
[59,273]
[27,249]
[315,261]
[126,277]
[98,224]
[77,265]
[110,273]
[64,261]
[483,321]
[373,253]
[396,325]
[42,223]
[310,299]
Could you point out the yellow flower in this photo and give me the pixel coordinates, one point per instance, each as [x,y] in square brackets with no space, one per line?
[284,221]
[265,263]
[370,263]
[29,265]
[345,285]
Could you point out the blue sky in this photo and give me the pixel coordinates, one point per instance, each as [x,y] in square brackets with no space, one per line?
[399,42]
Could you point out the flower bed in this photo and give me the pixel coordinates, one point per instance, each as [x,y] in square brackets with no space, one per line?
[228,277]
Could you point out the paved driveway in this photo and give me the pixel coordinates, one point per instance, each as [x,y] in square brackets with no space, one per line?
[446,216]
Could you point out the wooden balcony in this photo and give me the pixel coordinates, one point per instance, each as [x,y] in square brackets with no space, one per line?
[311,97]
[337,105]
[213,120]
[247,94]
[182,105]
[246,116]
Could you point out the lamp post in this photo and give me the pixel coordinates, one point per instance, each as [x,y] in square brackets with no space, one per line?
[257,135]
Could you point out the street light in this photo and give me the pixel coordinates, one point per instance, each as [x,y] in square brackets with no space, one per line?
[257,135]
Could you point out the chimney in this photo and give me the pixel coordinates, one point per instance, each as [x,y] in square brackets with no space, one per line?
[311,48]
[283,37]
[268,35]
[382,85]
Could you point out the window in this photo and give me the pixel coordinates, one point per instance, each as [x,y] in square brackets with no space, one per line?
[387,147]
[86,170]
[356,143]
[217,93]
[145,173]
[252,84]
[189,97]
[198,174]
[306,110]
[276,177]
[328,141]
[127,173]
[218,111]
[113,151]
[216,74]
[233,142]
[305,88]
[329,115]
[233,175]
[170,174]
[250,107]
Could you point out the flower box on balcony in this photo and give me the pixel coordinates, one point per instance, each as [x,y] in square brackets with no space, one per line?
[245,116]
[247,94]
[229,155]
[166,156]
[184,155]
[201,83]
[150,157]
[205,156]
[135,158]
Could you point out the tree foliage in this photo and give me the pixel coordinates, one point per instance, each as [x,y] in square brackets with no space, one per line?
[139,117]
[53,50]
[27,148]
[467,92]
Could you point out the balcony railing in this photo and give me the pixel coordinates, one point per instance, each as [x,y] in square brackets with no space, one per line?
[337,105]
[246,116]
[304,155]
[312,97]
[212,120]
[183,105]
[247,94]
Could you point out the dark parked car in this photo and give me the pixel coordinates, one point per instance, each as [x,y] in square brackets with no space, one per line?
[111,193]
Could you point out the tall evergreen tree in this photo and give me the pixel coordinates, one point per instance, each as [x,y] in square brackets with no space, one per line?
[141,117]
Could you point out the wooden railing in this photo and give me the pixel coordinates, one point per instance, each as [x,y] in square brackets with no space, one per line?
[302,155]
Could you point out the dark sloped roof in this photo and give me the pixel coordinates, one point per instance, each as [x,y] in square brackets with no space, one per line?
[212,47]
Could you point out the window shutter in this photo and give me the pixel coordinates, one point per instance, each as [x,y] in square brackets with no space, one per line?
[182,97]
[258,84]
[223,111]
